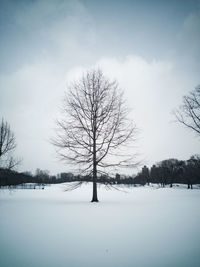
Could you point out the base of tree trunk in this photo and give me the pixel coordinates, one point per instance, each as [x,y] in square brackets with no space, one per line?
[94,200]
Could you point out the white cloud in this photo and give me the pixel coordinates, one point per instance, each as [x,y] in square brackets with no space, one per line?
[152,89]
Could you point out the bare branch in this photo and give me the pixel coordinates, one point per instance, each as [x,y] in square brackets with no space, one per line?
[7,145]
[188,113]
[7,139]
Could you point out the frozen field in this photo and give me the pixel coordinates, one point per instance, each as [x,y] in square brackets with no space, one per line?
[144,227]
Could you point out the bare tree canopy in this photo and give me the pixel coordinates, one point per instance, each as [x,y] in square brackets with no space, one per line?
[189,112]
[95,126]
[7,145]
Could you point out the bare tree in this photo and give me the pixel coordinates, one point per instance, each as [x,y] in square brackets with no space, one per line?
[95,126]
[189,112]
[7,145]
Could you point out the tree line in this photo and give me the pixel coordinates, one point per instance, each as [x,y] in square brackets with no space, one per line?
[170,171]
[163,173]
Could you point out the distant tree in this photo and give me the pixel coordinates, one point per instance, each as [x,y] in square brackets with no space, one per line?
[7,146]
[170,169]
[188,113]
[95,126]
[155,174]
[192,171]
[117,177]
[42,175]
[139,179]
[28,173]
[145,174]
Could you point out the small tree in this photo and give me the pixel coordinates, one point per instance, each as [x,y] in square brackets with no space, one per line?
[7,146]
[95,126]
[188,113]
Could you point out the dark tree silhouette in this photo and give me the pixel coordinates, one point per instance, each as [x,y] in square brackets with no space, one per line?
[192,171]
[189,112]
[95,126]
[7,145]
[171,169]
[155,174]
[145,174]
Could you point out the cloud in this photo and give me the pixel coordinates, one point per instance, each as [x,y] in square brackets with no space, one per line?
[142,81]
[152,89]
[59,31]
[187,43]
[189,36]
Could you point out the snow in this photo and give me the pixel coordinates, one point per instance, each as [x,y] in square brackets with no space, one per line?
[138,226]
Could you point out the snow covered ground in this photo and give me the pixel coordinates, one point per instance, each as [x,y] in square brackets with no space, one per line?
[141,227]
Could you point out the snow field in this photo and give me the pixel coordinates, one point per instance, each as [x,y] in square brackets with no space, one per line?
[140,227]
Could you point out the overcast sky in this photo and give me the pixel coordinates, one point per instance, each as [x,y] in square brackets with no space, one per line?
[151,47]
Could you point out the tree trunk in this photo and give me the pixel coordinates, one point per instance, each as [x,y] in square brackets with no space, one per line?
[94,197]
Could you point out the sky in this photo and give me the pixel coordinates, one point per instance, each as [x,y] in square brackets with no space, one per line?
[152,48]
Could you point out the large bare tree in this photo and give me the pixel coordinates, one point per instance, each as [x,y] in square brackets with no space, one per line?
[7,145]
[188,113]
[95,127]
